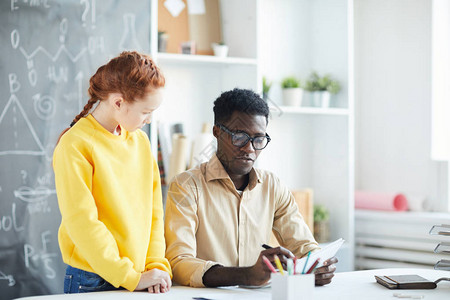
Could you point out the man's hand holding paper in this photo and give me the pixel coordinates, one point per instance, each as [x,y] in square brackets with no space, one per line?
[325,268]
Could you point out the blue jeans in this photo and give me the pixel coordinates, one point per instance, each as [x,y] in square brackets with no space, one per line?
[79,281]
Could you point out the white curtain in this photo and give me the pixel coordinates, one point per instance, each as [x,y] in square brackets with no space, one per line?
[440,139]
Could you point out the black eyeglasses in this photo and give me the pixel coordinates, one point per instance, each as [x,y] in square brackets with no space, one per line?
[240,139]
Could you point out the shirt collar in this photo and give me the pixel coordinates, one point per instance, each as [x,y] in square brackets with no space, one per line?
[215,170]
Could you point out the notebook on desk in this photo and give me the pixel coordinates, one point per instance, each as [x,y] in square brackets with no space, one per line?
[323,254]
[405,282]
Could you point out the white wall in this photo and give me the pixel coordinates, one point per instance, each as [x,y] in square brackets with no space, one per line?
[300,36]
[393,99]
[283,39]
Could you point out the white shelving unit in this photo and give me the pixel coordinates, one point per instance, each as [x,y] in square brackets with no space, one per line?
[280,110]
[193,82]
[311,147]
[168,58]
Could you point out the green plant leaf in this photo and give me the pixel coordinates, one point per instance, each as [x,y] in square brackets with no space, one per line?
[326,83]
[320,213]
[266,85]
[290,82]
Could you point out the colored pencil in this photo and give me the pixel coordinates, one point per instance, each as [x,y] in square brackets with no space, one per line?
[290,266]
[278,263]
[269,264]
[306,262]
[310,270]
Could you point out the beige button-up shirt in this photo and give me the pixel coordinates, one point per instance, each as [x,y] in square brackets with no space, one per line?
[208,222]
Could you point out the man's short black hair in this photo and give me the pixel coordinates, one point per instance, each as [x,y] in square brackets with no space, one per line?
[241,100]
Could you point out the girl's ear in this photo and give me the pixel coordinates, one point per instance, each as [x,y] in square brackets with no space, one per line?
[117,102]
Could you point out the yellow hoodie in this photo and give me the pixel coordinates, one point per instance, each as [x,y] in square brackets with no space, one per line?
[109,195]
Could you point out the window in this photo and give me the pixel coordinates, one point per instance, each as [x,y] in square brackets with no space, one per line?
[440,127]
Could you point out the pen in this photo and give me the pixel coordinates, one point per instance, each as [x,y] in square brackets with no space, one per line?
[412,296]
[313,266]
[306,262]
[269,265]
[265,246]
[278,263]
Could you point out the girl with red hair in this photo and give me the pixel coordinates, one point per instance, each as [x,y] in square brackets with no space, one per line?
[108,185]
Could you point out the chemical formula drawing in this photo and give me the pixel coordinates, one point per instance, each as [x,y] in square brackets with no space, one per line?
[50,51]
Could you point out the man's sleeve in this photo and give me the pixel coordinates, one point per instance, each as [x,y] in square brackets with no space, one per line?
[289,226]
[181,222]
[155,253]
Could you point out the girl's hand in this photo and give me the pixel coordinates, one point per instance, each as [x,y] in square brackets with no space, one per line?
[155,281]
[156,289]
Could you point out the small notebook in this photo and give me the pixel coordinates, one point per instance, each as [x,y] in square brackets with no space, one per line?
[325,253]
[405,282]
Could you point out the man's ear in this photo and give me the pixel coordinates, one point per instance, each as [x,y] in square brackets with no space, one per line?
[216,131]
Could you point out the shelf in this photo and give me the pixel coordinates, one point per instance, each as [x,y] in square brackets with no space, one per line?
[402,217]
[443,264]
[440,230]
[204,59]
[280,110]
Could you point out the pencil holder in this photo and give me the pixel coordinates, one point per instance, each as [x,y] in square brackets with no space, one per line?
[293,287]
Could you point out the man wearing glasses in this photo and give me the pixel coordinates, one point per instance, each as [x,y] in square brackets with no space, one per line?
[219,214]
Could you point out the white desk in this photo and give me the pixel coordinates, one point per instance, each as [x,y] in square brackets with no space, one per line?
[346,286]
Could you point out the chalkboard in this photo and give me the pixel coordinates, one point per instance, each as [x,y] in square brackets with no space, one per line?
[48,52]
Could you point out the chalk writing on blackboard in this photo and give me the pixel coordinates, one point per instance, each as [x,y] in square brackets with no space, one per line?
[129,39]
[89,6]
[10,278]
[41,255]
[14,108]
[9,222]
[50,50]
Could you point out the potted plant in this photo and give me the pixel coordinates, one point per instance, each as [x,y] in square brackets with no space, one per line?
[321,89]
[292,91]
[266,88]
[220,49]
[321,223]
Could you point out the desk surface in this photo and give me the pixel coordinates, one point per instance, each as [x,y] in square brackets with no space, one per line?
[346,285]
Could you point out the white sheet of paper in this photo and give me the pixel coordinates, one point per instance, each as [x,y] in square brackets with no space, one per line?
[175,7]
[196,7]
[325,253]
